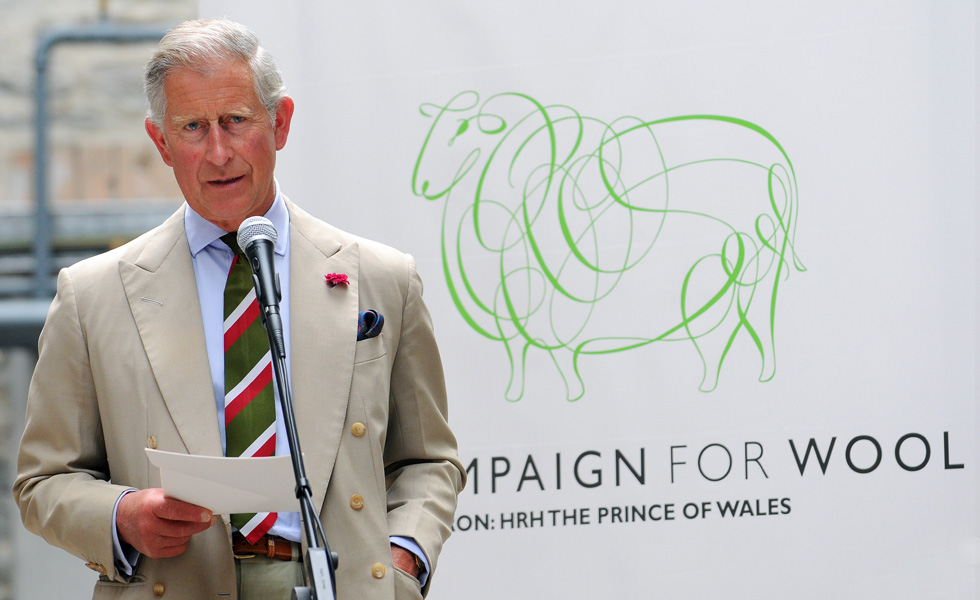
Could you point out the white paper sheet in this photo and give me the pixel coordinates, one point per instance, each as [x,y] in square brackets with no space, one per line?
[228,485]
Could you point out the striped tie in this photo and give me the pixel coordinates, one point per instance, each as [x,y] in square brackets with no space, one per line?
[250,409]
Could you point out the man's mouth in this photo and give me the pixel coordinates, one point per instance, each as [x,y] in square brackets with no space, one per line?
[226,182]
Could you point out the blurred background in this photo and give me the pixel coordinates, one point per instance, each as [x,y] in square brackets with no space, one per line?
[78,175]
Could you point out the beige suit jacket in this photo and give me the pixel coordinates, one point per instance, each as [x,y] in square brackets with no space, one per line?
[122,366]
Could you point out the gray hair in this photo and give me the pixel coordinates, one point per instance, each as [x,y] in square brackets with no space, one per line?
[198,45]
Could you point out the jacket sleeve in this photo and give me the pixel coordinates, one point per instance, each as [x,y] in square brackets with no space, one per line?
[62,484]
[422,468]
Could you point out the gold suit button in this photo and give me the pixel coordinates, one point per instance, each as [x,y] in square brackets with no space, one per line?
[151,443]
[357,502]
[97,568]
[378,570]
[158,589]
[358,429]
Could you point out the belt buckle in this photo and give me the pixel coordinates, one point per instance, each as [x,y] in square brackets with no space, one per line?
[266,546]
[244,542]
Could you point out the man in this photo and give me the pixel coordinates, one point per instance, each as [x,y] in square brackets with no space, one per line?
[132,356]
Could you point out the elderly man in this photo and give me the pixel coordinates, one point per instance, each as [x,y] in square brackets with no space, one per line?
[141,349]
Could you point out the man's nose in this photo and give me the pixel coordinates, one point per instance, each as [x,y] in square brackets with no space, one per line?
[219,149]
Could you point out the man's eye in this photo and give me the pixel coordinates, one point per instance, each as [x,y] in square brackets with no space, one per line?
[237,119]
[193,126]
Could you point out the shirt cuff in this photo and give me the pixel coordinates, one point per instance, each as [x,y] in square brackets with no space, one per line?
[410,545]
[124,556]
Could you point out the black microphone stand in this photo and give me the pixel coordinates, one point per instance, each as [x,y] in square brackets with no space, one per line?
[320,562]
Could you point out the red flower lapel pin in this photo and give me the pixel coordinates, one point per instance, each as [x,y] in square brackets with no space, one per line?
[336,279]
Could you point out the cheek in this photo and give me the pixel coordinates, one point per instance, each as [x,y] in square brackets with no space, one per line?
[186,160]
[259,151]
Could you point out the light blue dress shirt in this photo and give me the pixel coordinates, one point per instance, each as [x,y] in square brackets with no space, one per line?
[212,259]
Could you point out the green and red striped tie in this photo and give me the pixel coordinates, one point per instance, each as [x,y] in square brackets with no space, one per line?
[250,404]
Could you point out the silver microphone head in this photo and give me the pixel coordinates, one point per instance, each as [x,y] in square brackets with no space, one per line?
[256,228]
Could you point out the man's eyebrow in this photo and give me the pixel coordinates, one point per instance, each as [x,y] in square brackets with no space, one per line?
[181,120]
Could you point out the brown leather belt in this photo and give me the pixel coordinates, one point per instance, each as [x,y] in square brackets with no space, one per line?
[271,546]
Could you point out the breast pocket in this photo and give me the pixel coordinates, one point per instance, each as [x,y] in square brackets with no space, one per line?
[369,349]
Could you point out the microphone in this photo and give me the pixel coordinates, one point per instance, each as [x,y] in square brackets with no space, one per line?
[257,238]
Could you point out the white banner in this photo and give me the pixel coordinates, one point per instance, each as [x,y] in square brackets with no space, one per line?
[703,274]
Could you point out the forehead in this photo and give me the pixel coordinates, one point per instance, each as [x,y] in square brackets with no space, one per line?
[210,91]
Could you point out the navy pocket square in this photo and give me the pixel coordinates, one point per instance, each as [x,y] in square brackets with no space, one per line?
[369,324]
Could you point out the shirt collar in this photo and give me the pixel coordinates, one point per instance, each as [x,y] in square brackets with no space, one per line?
[201,233]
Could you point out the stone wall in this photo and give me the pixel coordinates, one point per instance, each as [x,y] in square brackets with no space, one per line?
[99,150]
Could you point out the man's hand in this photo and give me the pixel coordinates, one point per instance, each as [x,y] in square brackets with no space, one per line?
[158,526]
[404,560]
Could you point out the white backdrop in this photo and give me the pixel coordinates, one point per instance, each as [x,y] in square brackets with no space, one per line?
[871,224]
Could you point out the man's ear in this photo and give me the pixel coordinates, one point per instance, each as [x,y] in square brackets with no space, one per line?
[284,116]
[156,134]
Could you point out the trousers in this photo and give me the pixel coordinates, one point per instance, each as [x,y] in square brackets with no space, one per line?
[264,578]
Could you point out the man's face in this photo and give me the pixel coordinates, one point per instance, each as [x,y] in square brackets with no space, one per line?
[219,140]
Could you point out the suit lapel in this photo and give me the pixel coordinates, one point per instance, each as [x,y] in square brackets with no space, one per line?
[161,290]
[323,330]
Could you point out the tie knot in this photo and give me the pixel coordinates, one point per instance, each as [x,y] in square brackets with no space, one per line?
[231,240]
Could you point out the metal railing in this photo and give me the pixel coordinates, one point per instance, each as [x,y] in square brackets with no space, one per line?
[35,247]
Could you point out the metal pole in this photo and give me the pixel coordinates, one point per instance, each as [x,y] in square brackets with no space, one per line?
[105,32]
